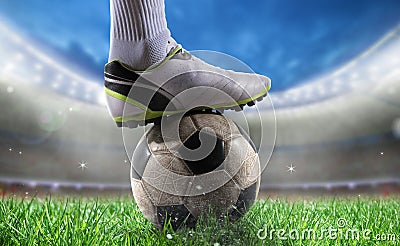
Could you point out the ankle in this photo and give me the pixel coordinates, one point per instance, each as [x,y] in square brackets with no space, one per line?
[140,55]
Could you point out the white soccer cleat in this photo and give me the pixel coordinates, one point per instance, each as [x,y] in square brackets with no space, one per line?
[179,83]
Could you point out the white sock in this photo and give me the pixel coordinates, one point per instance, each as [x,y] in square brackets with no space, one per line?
[139,33]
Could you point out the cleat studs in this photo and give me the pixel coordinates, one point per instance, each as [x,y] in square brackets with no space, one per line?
[132,124]
[157,121]
[238,108]
[220,110]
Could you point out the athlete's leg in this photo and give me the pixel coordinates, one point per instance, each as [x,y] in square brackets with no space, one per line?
[140,39]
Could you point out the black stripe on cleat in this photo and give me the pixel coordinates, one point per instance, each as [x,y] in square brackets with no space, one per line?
[116,70]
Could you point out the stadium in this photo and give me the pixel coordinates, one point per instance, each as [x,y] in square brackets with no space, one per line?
[340,130]
[331,155]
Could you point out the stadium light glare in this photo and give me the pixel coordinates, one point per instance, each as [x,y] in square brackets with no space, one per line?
[10,89]
[337,81]
[372,69]
[55,85]
[19,57]
[395,60]
[335,89]
[352,85]
[54,186]
[38,66]
[355,75]
[9,67]
[101,98]
[308,95]
[40,60]
[352,185]
[321,90]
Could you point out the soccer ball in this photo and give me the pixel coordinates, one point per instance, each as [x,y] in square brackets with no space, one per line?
[187,167]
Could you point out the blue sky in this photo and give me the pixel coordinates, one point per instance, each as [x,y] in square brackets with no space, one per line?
[288,40]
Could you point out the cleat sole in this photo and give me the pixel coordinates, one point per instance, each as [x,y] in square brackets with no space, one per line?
[157,120]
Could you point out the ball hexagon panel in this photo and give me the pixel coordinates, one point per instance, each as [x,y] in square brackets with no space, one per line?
[177,215]
[167,173]
[210,162]
[223,127]
[245,200]
[236,153]
[159,197]
[249,170]
[218,200]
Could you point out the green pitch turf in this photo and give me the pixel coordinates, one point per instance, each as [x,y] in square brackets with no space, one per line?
[118,221]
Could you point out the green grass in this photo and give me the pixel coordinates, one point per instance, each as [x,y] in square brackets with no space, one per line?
[119,222]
